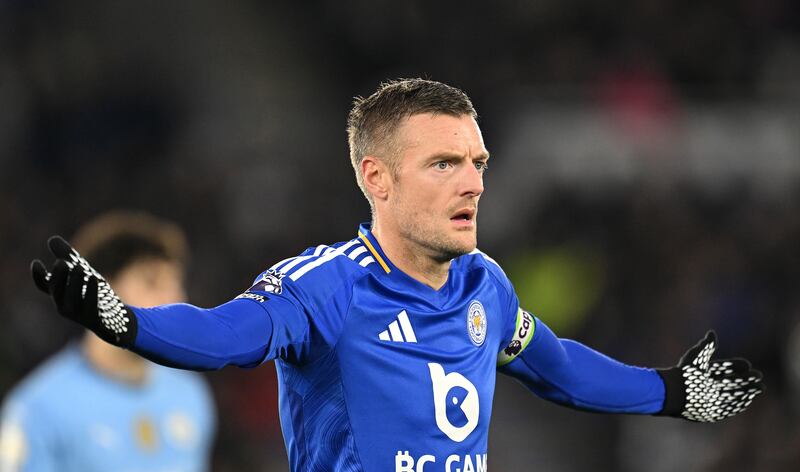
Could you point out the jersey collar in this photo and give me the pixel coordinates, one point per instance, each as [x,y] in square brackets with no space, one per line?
[396,275]
[366,237]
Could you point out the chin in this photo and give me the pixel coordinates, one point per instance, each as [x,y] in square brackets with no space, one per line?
[468,248]
[458,247]
[467,240]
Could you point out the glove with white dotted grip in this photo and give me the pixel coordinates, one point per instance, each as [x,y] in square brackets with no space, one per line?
[81,294]
[699,389]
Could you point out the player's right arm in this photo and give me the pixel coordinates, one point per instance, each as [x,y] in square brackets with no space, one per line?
[243,332]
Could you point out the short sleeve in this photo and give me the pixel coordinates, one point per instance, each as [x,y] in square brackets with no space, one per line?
[28,440]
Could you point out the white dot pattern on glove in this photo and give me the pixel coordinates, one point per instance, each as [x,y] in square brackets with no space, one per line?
[112,311]
[718,369]
[709,400]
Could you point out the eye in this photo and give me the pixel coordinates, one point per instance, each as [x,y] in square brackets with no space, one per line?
[481,166]
[442,165]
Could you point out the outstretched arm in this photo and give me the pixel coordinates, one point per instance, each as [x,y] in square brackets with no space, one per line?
[241,332]
[569,373]
[697,389]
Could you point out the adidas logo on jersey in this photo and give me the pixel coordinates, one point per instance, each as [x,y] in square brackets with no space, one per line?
[399,331]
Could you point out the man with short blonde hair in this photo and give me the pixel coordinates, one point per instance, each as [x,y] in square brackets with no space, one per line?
[387,345]
[373,121]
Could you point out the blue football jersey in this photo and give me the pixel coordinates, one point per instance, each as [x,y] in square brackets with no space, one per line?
[390,374]
[379,372]
[68,417]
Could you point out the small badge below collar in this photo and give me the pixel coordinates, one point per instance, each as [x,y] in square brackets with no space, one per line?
[270,282]
[476,323]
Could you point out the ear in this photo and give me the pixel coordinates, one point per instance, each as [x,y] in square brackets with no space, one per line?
[377,178]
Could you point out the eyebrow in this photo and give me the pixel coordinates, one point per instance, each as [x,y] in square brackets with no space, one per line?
[484,156]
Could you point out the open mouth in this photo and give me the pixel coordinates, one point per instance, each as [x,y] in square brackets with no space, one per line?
[465,214]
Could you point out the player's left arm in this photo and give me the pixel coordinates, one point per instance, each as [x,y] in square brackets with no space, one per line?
[572,374]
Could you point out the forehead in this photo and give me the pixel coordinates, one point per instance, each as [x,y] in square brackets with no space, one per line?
[429,133]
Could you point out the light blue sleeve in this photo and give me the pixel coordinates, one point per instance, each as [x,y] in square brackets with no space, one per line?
[28,439]
[210,420]
[201,400]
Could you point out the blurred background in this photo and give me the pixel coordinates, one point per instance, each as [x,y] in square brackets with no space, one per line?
[644,185]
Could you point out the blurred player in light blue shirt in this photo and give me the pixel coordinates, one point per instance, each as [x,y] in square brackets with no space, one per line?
[96,407]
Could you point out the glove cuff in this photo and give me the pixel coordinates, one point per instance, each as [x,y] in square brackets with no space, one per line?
[121,331]
[128,338]
[674,392]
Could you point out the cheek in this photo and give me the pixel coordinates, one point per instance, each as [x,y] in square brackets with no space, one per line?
[421,195]
[427,196]
[421,206]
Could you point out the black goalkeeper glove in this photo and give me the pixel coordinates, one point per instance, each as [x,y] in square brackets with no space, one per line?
[83,295]
[699,389]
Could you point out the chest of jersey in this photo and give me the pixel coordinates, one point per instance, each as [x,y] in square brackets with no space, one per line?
[419,368]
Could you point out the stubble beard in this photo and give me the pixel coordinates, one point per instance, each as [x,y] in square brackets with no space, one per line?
[422,232]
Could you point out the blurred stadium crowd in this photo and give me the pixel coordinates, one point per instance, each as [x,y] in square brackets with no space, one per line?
[644,186]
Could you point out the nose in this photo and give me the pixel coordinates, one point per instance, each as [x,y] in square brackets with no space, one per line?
[472,182]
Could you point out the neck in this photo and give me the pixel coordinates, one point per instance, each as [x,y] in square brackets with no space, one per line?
[411,258]
[114,362]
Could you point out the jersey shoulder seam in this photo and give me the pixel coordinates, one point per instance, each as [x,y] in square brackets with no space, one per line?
[487,262]
[295,268]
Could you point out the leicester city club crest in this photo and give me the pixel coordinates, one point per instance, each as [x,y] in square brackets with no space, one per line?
[476,322]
